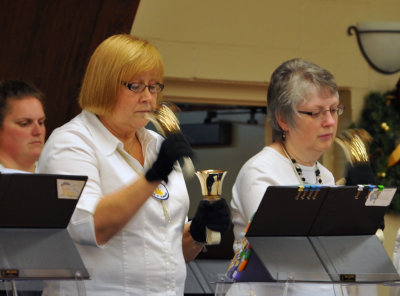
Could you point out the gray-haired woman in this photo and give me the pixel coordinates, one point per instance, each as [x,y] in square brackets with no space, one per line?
[303,110]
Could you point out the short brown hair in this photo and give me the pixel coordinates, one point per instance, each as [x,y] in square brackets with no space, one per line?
[118,58]
[16,90]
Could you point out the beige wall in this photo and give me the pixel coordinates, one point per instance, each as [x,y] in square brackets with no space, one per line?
[227,50]
[244,41]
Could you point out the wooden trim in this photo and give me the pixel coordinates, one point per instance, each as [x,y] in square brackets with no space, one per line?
[220,92]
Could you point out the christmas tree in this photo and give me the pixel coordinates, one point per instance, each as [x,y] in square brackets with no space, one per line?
[381,119]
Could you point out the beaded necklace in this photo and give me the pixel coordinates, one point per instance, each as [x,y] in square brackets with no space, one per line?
[299,171]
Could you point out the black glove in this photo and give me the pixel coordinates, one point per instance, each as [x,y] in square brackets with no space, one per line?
[174,147]
[360,174]
[214,215]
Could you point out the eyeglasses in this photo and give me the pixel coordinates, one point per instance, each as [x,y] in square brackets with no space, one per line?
[139,87]
[335,111]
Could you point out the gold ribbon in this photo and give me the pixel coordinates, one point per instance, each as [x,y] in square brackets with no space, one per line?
[395,156]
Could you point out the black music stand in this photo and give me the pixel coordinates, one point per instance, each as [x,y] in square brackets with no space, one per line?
[319,234]
[35,210]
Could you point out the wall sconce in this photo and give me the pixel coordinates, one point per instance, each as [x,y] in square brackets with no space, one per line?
[379,43]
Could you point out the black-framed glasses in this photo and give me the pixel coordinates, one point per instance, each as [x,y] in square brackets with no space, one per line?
[139,87]
[334,111]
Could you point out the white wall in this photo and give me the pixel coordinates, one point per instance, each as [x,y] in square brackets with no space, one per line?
[244,41]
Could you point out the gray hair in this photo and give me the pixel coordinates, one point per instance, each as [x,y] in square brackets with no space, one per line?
[291,84]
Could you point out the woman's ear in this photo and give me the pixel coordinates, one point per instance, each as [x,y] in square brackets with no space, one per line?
[282,122]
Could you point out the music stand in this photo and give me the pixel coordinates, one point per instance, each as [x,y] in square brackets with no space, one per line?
[35,210]
[317,234]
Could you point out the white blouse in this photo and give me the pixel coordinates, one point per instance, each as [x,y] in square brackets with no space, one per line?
[267,167]
[145,257]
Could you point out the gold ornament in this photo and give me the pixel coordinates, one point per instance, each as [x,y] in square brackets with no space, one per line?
[381,175]
[389,99]
[385,126]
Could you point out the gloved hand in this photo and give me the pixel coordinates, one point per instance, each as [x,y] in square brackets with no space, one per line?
[174,147]
[360,174]
[215,216]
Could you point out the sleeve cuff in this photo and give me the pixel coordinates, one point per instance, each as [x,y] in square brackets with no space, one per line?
[81,228]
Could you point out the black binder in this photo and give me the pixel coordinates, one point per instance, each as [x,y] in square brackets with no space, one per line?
[35,210]
[317,234]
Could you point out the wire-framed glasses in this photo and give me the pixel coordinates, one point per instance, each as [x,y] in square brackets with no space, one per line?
[139,87]
[334,111]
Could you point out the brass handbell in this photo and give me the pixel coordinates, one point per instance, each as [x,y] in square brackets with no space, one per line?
[211,183]
[354,143]
[164,119]
[211,189]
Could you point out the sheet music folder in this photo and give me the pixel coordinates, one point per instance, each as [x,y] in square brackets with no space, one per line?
[35,210]
[319,234]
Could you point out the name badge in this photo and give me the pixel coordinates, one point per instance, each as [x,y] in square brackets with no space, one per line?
[161,192]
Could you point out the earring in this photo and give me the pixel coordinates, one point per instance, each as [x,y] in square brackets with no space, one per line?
[283,136]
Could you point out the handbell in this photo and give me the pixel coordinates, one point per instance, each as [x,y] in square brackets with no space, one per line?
[211,183]
[166,123]
[164,119]
[211,189]
[354,143]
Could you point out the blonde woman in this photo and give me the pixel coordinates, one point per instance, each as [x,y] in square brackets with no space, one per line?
[130,223]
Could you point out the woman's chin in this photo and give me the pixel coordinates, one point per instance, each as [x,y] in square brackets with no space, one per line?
[35,154]
[324,145]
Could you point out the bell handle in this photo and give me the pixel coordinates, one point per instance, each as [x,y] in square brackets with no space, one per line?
[212,237]
[188,167]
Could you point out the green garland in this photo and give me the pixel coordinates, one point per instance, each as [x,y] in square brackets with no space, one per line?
[381,118]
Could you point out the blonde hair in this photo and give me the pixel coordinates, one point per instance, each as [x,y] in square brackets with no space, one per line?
[118,58]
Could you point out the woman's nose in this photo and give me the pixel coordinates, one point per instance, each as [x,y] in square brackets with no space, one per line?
[146,94]
[148,97]
[38,128]
[329,118]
